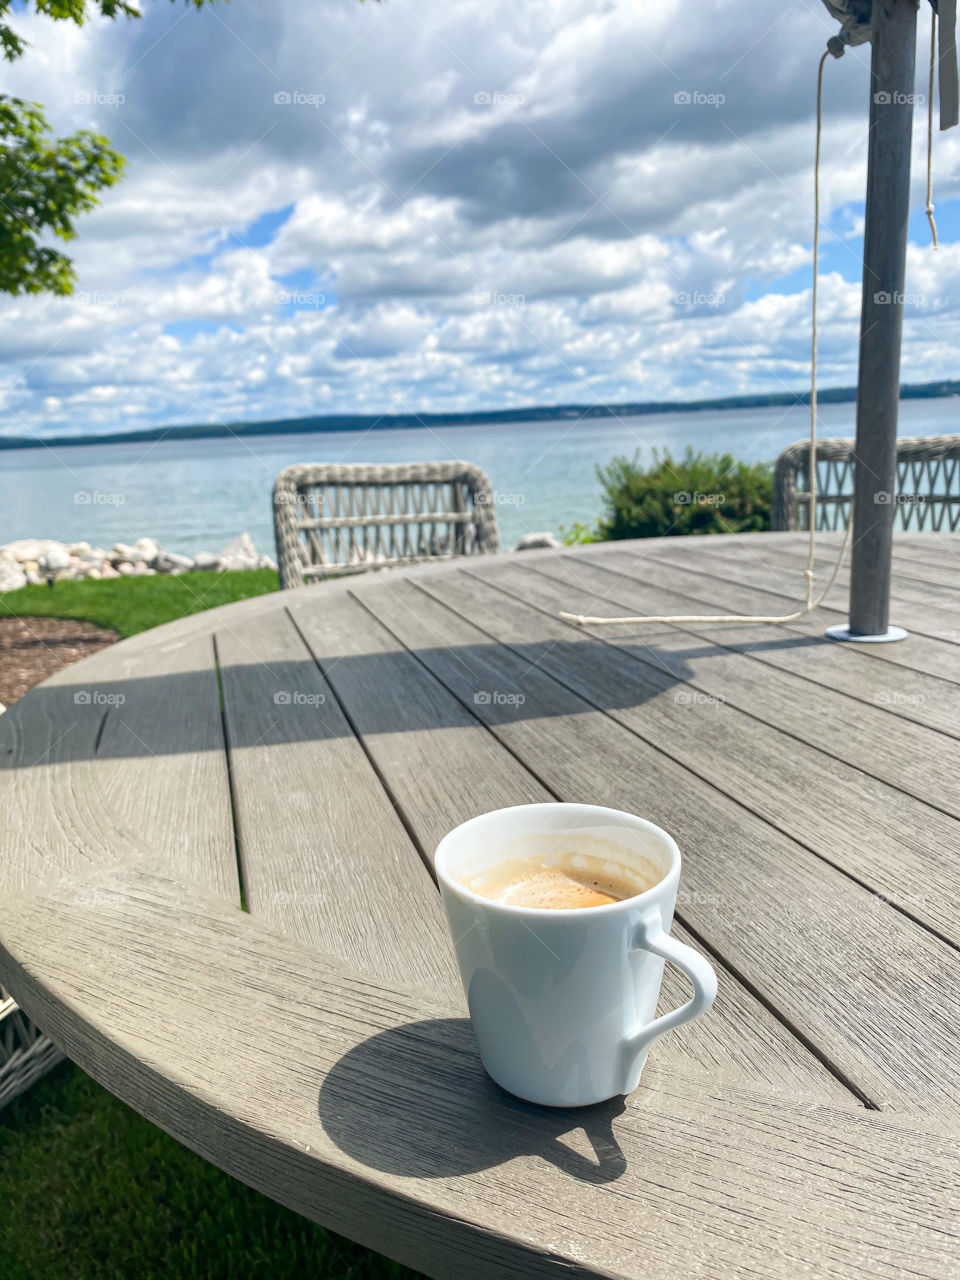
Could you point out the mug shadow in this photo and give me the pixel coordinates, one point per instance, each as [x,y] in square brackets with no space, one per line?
[415,1101]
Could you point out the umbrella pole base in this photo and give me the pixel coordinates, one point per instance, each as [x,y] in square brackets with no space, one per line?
[888,637]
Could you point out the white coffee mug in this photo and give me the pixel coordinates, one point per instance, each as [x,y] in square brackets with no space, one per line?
[563,1002]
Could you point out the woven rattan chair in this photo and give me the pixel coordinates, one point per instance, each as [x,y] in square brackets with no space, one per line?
[928,484]
[25,1052]
[334,519]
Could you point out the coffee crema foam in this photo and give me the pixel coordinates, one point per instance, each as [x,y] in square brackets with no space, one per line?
[563,881]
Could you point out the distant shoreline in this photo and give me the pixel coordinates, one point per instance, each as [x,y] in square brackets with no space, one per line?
[396,422]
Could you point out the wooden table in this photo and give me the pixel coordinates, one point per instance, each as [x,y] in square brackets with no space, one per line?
[214,858]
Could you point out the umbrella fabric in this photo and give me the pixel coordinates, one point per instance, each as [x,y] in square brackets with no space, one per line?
[854,17]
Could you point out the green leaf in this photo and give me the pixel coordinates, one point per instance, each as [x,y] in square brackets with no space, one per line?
[45,183]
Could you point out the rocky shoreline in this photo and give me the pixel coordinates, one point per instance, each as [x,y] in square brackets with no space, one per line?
[32,561]
[44,560]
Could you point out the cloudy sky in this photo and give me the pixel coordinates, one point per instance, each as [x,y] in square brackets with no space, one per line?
[394,207]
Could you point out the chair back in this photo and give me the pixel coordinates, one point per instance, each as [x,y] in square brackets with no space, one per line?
[332,519]
[928,484]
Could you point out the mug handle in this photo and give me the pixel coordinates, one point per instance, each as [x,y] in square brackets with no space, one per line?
[652,937]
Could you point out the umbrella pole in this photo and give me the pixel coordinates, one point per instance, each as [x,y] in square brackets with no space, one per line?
[892,67]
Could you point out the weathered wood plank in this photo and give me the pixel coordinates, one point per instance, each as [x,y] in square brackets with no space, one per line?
[936,555]
[779,569]
[367,1110]
[910,856]
[909,583]
[47,748]
[799,647]
[165,764]
[443,766]
[834,960]
[910,757]
[117,757]
[324,856]
[736,584]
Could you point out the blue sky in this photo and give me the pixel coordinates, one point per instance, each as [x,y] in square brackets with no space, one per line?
[403,207]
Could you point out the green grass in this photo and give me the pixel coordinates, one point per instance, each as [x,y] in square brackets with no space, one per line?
[89,1190]
[129,605]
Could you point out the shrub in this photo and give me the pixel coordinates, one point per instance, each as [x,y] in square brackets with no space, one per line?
[699,493]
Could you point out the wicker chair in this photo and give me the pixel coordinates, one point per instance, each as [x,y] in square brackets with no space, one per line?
[25,1052]
[335,519]
[928,484]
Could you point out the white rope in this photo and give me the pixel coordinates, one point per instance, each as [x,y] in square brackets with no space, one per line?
[811,603]
[933,63]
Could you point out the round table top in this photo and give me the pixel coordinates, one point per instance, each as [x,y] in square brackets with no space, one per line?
[216,896]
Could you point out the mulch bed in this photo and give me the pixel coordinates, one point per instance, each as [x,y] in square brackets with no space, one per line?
[33,648]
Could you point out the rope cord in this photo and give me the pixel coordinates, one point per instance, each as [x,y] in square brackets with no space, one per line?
[811,603]
[933,63]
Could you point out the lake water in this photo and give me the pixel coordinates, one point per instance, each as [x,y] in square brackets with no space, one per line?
[195,495]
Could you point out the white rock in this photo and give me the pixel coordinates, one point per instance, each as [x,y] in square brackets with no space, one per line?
[535,541]
[122,552]
[55,558]
[124,568]
[33,578]
[142,570]
[82,549]
[206,560]
[27,548]
[239,553]
[12,577]
[172,562]
[146,549]
[108,571]
[264,562]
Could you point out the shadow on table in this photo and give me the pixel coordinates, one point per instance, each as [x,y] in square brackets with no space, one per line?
[116,716]
[415,1101]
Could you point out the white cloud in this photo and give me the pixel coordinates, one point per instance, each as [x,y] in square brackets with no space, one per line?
[466,206]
